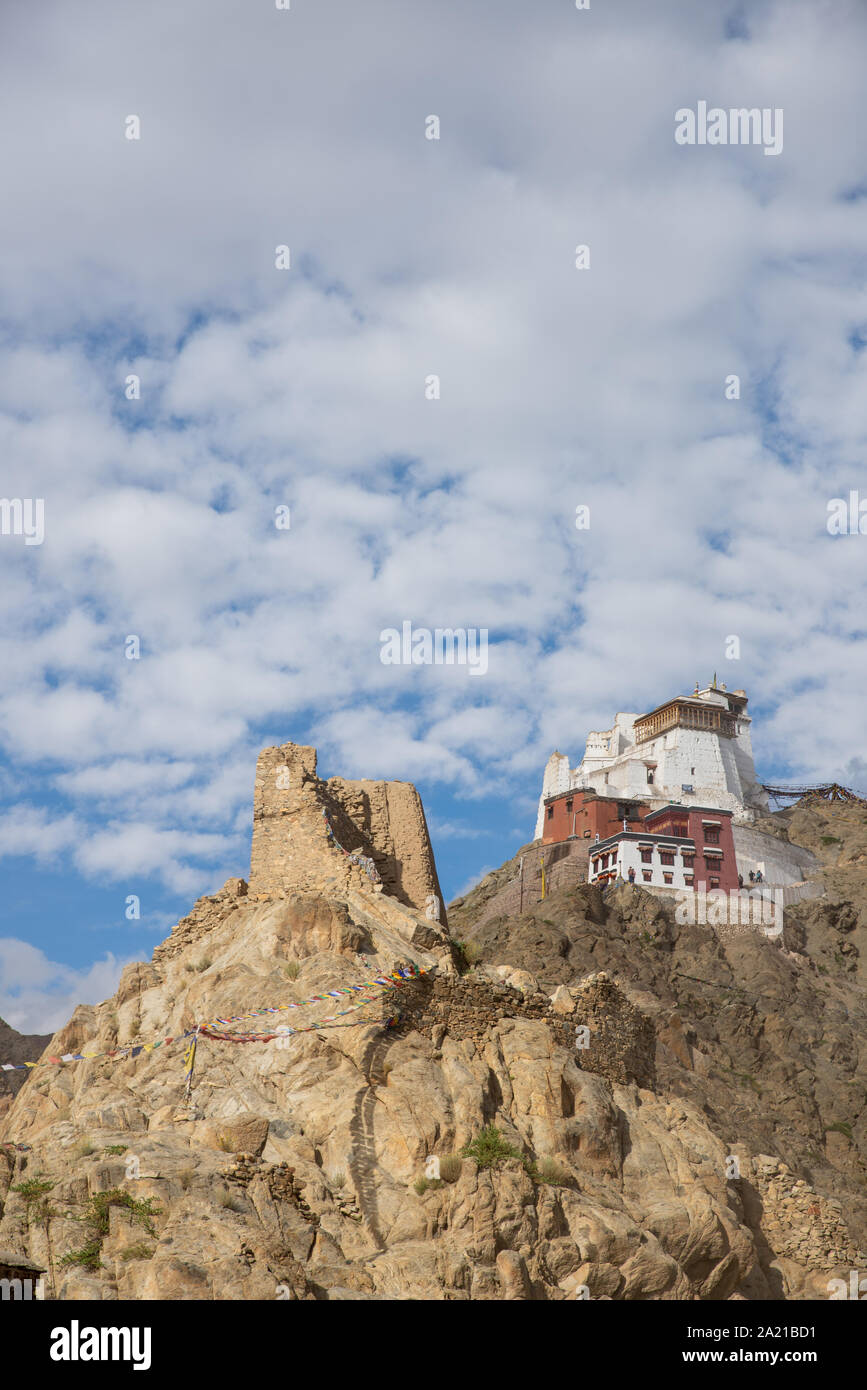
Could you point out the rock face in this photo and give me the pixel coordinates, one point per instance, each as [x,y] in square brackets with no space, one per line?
[577,1116]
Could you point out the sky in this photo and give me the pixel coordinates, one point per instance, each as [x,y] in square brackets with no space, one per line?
[309,388]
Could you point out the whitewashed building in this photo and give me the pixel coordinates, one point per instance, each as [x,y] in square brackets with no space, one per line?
[694,750]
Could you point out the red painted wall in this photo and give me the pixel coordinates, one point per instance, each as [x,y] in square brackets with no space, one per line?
[663,821]
[597,815]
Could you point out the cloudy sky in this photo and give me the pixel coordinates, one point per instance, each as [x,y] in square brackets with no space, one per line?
[305,388]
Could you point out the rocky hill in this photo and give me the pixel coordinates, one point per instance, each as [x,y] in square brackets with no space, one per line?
[16,1048]
[606,1104]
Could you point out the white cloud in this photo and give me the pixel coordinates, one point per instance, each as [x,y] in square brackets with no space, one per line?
[413,257]
[37,995]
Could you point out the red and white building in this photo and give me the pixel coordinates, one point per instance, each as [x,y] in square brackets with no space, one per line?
[676,846]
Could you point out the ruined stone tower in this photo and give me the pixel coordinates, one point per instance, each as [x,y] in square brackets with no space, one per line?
[382,821]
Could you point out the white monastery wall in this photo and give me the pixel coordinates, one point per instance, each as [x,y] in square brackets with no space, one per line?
[781,863]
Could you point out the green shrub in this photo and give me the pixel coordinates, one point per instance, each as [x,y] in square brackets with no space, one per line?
[292,970]
[204,964]
[830,840]
[338,1179]
[87,1256]
[84,1148]
[185,1178]
[115,1149]
[842,1127]
[32,1189]
[421,1185]
[140,1251]
[37,1206]
[489,1148]
[141,1212]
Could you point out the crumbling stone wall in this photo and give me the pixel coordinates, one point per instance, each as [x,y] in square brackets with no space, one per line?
[384,821]
[389,818]
[622,1040]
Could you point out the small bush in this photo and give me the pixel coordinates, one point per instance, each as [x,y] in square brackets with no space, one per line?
[421,1185]
[292,970]
[84,1148]
[450,1167]
[87,1257]
[34,1191]
[140,1251]
[204,964]
[842,1127]
[489,1148]
[115,1149]
[830,840]
[185,1178]
[225,1143]
[229,1202]
[141,1212]
[551,1173]
[338,1179]
[472,952]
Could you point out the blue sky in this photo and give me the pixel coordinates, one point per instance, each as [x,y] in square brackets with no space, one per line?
[260,387]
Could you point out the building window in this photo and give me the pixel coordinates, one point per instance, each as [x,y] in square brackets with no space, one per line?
[713,861]
[666,878]
[688,861]
[714,883]
[650,776]
[647,856]
[666,856]
[647,875]
[569,803]
[679,830]
[550,812]
[711,835]
[605,861]
[688,880]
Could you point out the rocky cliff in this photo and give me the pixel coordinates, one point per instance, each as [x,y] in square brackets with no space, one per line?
[605,1105]
[16,1048]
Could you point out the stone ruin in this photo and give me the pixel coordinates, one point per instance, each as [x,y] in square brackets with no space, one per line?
[380,825]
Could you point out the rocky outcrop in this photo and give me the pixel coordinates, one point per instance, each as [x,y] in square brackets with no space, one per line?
[607,1105]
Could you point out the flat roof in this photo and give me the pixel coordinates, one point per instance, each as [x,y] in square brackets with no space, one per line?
[590,794]
[666,840]
[686,700]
